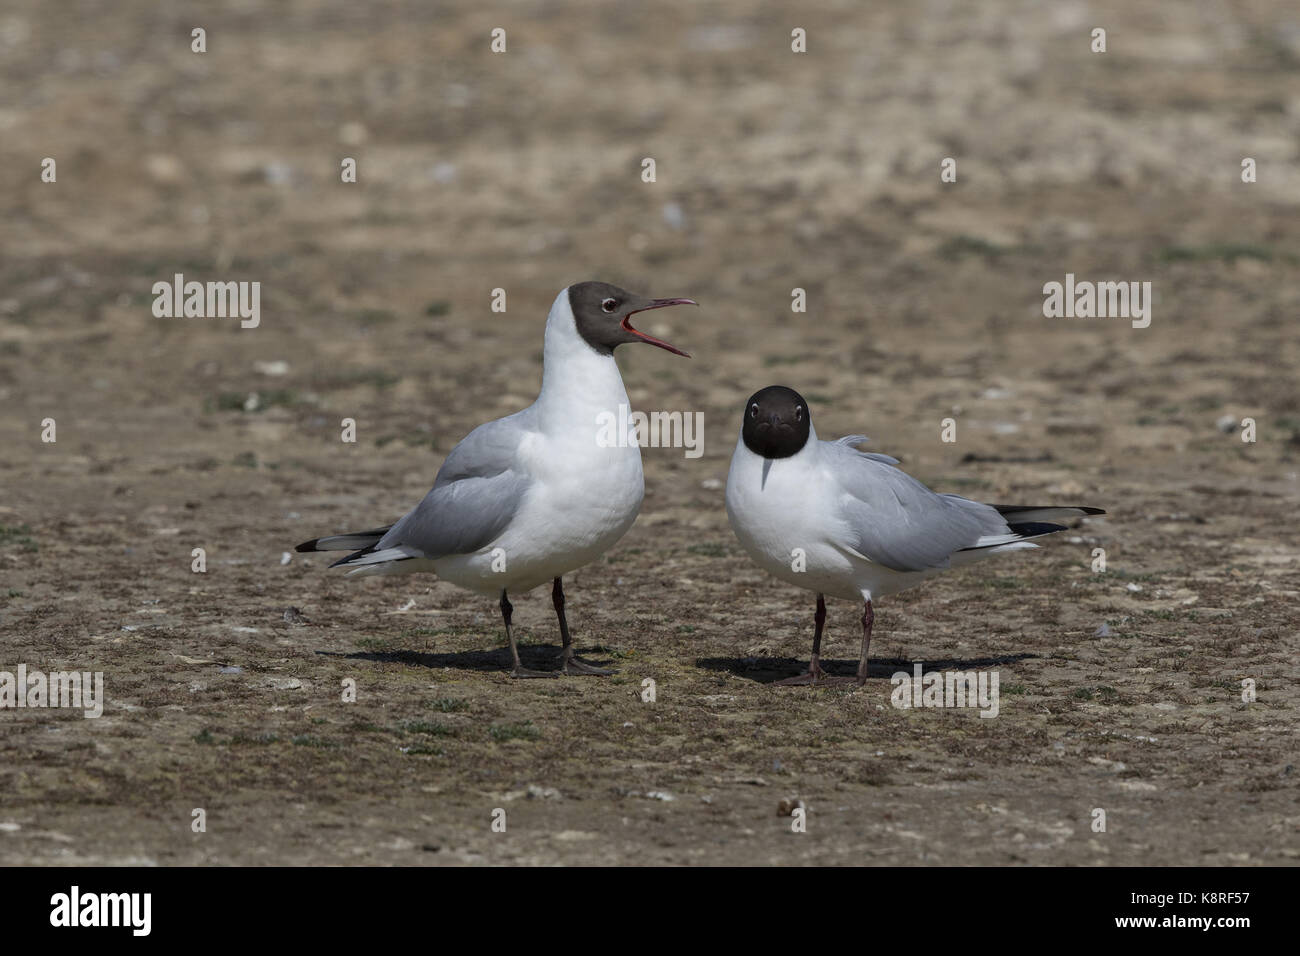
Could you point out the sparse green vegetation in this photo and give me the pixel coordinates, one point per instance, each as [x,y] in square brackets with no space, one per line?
[708,549]
[19,536]
[449,705]
[958,247]
[1224,251]
[255,739]
[1161,614]
[429,727]
[1004,584]
[503,732]
[425,750]
[1100,693]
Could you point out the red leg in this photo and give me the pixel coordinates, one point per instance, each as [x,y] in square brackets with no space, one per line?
[819,619]
[868,618]
[519,671]
[570,664]
[815,673]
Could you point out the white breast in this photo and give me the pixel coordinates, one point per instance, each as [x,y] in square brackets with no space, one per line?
[585,491]
[784,523]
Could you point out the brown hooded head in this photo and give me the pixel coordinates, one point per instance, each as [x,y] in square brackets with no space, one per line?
[603,313]
[776,422]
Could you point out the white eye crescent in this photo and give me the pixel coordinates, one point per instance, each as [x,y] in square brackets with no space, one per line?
[753,410]
[798,413]
[608,305]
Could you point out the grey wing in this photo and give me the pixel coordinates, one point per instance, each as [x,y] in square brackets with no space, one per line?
[475,496]
[491,449]
[894,520]
[854,440]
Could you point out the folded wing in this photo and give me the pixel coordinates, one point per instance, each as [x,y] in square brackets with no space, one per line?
[892,519]
[474,497]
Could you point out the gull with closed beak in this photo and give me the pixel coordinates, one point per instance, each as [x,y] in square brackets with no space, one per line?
[827,517]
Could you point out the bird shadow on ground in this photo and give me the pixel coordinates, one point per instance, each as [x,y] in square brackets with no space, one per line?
[539,657]
[767,670]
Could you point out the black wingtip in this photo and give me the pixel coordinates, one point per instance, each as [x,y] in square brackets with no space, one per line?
[1032,529]
[307,545]
[1010,511]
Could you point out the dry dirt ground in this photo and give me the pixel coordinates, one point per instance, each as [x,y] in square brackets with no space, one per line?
[521,171]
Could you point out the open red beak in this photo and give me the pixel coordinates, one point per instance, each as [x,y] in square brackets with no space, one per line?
[657,304]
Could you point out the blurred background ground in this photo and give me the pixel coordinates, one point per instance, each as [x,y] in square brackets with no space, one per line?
[522,171]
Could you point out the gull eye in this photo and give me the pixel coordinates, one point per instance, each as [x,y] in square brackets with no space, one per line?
[753,410]
[608,305]
[798,413]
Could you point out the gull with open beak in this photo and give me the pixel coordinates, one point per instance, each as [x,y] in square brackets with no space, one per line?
[528,498]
